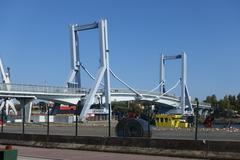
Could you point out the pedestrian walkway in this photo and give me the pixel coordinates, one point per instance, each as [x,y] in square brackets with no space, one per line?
[32,153]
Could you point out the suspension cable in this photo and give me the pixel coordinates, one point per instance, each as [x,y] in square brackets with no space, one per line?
[88,73]
[168,90]
[85,69]
[160,84]
[115,76]
[124,83]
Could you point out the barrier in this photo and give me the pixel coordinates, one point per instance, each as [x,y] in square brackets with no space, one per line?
[164,147]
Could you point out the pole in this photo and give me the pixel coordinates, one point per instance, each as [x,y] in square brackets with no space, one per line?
[76,124]
[162,73]
[183,78]
[109,120]
[2,119]
[148,120]
[196,120]
[23,120]
[48,115]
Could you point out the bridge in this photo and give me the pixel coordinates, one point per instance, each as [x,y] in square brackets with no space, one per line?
[71,96]
[74,93]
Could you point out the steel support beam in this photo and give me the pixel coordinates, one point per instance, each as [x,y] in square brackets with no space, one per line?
[86,26]
[74,79]
[162,74]
[26,103]
[172,57]
[184,81]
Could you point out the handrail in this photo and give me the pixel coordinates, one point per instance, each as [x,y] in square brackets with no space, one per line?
[40,88]
[65,90]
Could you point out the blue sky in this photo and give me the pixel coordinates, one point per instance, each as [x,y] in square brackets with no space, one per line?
[34,41]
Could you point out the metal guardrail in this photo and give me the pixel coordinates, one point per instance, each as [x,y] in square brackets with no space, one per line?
[40,89]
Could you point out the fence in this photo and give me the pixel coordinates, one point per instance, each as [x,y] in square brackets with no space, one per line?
[101,125]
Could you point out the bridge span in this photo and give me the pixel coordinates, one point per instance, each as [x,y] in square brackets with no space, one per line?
[72,96]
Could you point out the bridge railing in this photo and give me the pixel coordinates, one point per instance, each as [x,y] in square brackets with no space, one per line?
[65,90]
[123,90]
[40,89]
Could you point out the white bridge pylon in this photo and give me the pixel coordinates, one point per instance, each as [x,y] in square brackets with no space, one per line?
[6,102]
[185,98]
[103,71]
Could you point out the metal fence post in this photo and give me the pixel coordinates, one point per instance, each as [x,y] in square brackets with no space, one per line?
[23,120]
[2,120]
[109,120]
[196,120]
[48,114]
[148,120]
[76,123]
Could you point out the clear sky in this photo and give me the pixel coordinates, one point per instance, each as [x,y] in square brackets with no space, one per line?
[34,41]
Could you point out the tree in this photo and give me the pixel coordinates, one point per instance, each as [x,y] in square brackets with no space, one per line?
[212,100]
[232,102]
[238,102]
[238,97]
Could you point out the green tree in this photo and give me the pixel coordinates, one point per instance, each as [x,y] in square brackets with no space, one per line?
[238,102]
[232,102]
[212,100]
